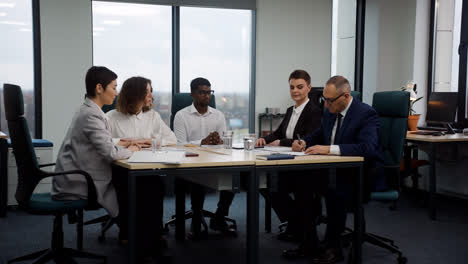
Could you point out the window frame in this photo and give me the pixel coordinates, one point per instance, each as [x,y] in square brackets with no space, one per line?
[461,121]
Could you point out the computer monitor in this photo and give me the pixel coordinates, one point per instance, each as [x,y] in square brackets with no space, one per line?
[441,108]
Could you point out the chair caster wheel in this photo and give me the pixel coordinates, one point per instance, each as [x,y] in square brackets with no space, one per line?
[402,260]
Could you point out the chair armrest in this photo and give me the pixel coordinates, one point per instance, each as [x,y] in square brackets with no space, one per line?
[92,195]
[46,165]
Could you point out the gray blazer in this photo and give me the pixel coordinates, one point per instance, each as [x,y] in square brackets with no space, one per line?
[88,146]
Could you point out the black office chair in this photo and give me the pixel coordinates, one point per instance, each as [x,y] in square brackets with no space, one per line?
[180,101]
[29,175]
[393,108]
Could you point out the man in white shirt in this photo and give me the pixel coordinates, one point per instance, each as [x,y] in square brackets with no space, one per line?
[201,124]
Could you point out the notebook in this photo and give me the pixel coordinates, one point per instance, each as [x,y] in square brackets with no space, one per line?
[275,156]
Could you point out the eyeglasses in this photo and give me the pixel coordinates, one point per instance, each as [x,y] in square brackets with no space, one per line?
[331,101]
[208,92]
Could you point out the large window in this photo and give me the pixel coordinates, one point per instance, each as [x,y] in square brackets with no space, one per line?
[135,40]
[16,56]
[449,52]
[216,44]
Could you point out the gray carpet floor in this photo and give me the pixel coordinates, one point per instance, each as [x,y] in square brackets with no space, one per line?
[423,241]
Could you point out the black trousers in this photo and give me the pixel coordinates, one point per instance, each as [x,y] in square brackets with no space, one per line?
[149,197]
[198,194]
[308,189]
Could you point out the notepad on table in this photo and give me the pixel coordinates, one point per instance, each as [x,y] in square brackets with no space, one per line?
[275,156]
[166,157]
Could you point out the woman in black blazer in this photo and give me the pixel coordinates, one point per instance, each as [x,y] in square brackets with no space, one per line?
[300,120]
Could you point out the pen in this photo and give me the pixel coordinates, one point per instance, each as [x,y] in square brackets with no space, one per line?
[299,138]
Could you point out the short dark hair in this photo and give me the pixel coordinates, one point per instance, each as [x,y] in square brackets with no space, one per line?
[340,83]
[300,74]
[197,82]
[98,75]
[132,94]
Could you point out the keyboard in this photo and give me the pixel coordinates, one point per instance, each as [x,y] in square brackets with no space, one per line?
[431,128]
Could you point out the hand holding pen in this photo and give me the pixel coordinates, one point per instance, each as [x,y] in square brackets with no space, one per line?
[299,144]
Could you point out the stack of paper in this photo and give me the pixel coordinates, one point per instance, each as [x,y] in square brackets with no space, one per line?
[167,157]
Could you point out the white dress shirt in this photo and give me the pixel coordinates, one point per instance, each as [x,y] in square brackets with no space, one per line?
[296,113]
[143,125]
[335,149]
[191,127]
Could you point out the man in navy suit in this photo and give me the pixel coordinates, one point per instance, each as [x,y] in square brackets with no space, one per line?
[348,128]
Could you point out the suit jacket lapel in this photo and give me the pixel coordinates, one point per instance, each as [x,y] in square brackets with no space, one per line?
[300,121]
[346,121]
[329,129]
[287,118]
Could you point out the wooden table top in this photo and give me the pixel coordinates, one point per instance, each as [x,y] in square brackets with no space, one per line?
[429,138]
[232,157]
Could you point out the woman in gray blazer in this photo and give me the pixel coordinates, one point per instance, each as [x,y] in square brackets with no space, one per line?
[88,145]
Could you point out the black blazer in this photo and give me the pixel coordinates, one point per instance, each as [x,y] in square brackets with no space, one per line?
[308,121]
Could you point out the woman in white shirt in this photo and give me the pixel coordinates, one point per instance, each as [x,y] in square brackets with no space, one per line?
[134,120]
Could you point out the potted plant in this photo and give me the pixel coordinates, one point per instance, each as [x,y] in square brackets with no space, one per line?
[413,117]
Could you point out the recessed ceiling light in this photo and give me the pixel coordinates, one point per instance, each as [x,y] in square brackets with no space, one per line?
[10,5]
[112,22]
[17,23]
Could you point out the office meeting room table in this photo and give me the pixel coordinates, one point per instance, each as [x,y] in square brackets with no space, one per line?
[207,162]
[235,162]
[434,141]
[3,173]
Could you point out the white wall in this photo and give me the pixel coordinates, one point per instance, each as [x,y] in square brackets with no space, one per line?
[66,47]
[294,34]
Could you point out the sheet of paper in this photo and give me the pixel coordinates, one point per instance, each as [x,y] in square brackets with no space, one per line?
[167,157]
[279,149]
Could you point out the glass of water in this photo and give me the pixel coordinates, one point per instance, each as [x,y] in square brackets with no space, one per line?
[249,141]
[156,143]
[227,139]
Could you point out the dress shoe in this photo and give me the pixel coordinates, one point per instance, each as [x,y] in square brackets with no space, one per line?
[300,252]
[288,236]
[329,256]
[197,233]
[219,224]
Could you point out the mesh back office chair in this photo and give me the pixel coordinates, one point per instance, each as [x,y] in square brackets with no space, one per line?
[393,108]
[29,175]
[180,101]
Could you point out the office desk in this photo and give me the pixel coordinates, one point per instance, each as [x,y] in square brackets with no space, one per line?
[235,162]
[3,174]
[433,141]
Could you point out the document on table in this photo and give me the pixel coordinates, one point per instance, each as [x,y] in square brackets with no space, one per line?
[282,150]
[166,157]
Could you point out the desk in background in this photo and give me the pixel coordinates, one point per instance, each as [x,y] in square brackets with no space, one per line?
[433,141]
[3,174]
[236,162]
